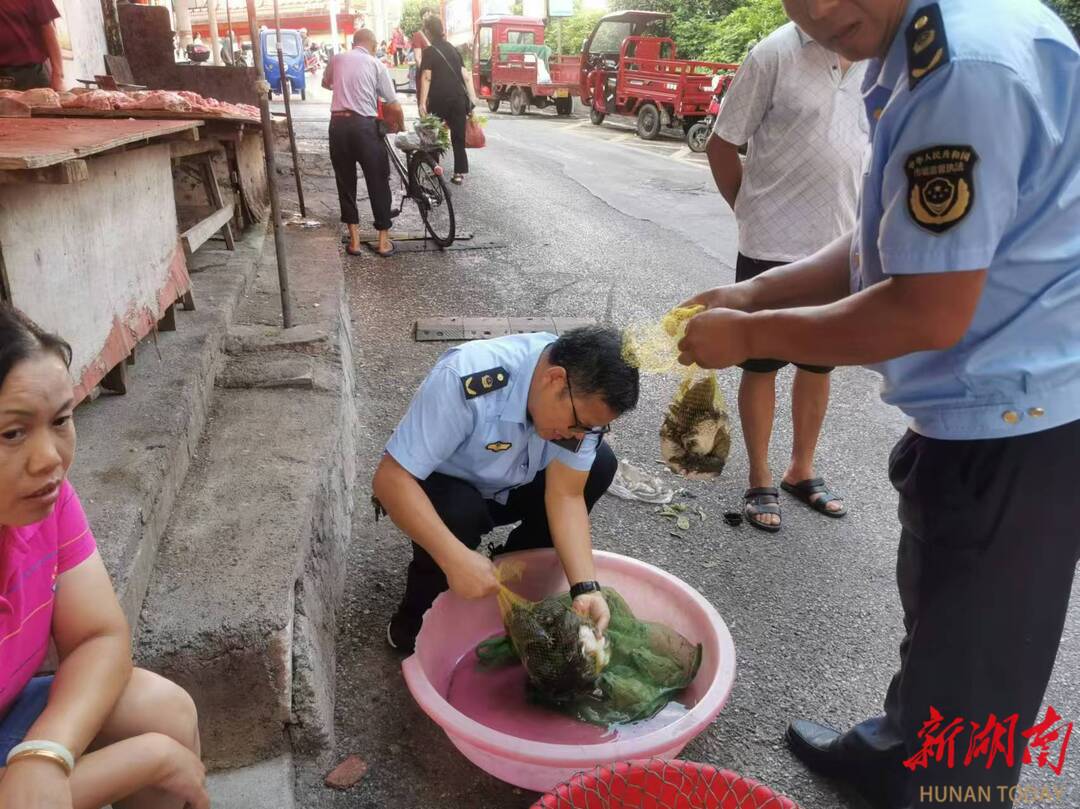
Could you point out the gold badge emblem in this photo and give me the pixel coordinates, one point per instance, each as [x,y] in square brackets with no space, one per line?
[483,382]
[927,45]
[941,185]
[498,446]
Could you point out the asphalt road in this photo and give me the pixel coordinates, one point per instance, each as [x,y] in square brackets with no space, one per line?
[597,224]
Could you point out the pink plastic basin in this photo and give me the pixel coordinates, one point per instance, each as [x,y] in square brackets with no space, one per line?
[454,626]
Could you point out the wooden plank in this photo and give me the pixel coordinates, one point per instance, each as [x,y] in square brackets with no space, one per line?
[179,149]
[213,191]
[73,171]
[195,236]
[36,142]
[157,115]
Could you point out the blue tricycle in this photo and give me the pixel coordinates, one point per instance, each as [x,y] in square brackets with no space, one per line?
[292,48]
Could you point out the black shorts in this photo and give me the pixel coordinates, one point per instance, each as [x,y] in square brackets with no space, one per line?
[745,269]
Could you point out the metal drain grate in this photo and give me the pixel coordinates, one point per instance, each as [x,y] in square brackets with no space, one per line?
[436,329]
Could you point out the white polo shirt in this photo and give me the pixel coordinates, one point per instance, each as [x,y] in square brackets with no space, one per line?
[805,125]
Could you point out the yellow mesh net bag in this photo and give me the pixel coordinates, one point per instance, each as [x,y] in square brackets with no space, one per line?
[694,437]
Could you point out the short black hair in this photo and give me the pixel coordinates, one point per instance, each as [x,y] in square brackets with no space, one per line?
[21,338]
[594,362]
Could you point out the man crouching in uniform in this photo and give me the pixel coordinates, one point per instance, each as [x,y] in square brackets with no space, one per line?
[505,431]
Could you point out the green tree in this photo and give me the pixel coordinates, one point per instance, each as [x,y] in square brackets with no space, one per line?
[1069,11]
[574,29]
[410,14]
[733,36]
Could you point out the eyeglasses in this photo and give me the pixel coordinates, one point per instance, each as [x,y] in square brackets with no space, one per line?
[577,426]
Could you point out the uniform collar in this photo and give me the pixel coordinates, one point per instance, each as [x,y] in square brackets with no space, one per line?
[516,407]
[886,73]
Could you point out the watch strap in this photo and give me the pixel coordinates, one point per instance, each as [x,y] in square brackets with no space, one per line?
[584,587]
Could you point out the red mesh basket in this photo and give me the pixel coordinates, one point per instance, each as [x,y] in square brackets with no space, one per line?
[656,784]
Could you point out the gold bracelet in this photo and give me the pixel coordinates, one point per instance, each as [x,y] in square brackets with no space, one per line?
[47,754]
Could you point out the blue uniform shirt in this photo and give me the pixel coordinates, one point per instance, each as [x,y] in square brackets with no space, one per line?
[975,124]
[466,423]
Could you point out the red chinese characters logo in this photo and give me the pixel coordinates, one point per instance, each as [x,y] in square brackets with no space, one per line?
[991,741]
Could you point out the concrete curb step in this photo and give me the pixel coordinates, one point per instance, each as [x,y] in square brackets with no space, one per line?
[135,450]
[241,607]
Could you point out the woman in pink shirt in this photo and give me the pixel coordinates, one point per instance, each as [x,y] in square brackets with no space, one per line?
[99,731]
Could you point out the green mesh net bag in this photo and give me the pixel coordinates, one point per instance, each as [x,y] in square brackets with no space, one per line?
[637,669]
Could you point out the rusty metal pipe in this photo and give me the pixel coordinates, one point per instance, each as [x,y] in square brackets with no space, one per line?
[271,169]
[286,93]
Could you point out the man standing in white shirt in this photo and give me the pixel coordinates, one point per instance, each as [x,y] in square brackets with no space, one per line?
[798,108]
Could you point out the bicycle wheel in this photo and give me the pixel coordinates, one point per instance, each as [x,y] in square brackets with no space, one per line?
[432,196]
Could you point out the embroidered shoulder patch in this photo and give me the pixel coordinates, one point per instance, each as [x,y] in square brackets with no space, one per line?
[941,185]
[485,382]
[927,47]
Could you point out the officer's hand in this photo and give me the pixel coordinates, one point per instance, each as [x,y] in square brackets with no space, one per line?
[594,607]
[472,575]
[732,296]
[715,339]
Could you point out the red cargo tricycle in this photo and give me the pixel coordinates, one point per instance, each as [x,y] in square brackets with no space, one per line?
[512,63]
[624,72]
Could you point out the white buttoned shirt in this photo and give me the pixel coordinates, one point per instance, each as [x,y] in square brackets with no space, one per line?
[803,120]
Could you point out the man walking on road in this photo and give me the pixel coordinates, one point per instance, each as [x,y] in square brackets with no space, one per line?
[799,109]
[359,81]
[960,284]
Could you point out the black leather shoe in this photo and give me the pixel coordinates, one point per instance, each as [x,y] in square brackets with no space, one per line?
[817,747]
[401,633]
[837,755]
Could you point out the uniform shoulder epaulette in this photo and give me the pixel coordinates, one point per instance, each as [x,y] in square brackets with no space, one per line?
[927,45]
[482,382]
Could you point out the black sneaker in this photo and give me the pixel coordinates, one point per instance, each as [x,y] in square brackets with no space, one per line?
[401,633]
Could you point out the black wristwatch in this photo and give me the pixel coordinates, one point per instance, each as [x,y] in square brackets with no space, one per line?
[583,587]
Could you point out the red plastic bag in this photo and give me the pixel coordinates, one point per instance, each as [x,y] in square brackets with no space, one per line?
[474,134]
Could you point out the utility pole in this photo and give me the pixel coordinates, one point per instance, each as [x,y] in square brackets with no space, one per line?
[183,22]
[334,8]
[262,91]
[215,42]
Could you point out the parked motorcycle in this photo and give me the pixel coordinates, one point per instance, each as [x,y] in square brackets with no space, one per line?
[197,53]
[698,134]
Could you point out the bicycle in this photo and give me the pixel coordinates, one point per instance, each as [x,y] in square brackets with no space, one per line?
[422,182]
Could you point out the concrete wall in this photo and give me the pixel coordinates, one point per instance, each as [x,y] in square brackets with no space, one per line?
[89,260]
[87,32]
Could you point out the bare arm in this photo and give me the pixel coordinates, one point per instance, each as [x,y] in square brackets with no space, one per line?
[328,75]
[470,574]
[394,117]
[92,638]
[821,278]
[467,77]
[568,518]
[726,167]
[564,502]
[56,61]
[902,315]
[422,91]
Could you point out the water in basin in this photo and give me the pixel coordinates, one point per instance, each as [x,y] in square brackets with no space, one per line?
[496,699]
